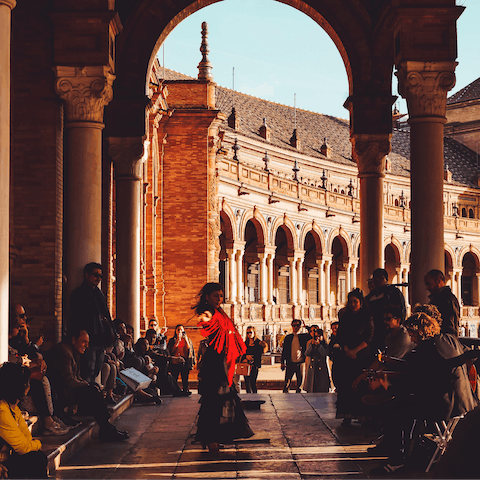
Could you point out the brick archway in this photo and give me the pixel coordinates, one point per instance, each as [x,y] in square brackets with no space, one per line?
[368,63]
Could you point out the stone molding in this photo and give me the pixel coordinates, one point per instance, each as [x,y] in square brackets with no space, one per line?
[128,154]
[9,3]
[85,91]
[425,85]
[369,152]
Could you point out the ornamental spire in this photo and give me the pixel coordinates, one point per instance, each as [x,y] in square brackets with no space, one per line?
[205,67]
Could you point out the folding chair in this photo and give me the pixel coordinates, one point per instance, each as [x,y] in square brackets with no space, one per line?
[442,438]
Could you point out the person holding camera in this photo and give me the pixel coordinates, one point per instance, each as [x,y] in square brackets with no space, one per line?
[317,378]
[181,346]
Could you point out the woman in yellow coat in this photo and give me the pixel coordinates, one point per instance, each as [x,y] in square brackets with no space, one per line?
[19,452]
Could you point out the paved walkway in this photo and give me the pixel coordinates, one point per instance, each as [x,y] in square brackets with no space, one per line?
[296,437]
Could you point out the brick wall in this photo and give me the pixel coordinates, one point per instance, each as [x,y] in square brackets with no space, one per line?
[36,177]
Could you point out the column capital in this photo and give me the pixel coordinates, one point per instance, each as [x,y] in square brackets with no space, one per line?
[9,3]
[85,91]
[128,154]
[369,152]
[425,85]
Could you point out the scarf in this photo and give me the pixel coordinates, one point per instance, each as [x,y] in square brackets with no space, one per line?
[225,339]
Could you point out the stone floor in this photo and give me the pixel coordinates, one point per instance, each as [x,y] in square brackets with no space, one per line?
[296,437]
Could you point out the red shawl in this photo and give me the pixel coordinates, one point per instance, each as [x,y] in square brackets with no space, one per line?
[225,339]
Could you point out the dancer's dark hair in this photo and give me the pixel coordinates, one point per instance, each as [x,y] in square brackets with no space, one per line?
[202,304]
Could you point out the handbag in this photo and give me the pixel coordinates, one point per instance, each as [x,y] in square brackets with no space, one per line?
[243,369]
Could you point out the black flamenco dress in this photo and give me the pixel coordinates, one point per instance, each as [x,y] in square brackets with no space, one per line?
[221,417]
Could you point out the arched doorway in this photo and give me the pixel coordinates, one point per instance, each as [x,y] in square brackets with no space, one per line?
[392,263]
[283,267]
[225,261]
[251,265]
[311,271]
[338,273]
[469,281]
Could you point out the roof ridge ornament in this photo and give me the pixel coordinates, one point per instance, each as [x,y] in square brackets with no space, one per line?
[205,67]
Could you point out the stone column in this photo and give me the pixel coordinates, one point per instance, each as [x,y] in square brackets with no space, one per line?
[328,265]
[6,7]
[300,295]
[369,151]
[425,85]
[240,288]
[354,274]
[85,92]
[457,283]
[348,279]
[404,279]
[231,279]
[293,281]
[270,263]
[263,278]
[127,154]
[321,278]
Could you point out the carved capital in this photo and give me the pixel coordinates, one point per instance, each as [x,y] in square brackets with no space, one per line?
[425,85]
[85,91]
[369,152]
[128,155]
[8,3]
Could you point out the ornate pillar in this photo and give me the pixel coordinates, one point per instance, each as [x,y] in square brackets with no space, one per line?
[231,280]
[299,262]
[271,284]
[328,265]
[127,154]
[6,7]
[240,288]
[425,85]
[263,278]
[348,279]
[457,284]
[85,92]
[369,151]
[354,266]
[321,279]
[293,281]
[404,279]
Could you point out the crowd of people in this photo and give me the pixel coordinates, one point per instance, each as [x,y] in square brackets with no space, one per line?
[392,374]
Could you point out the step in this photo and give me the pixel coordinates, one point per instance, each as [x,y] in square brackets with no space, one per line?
[60,448]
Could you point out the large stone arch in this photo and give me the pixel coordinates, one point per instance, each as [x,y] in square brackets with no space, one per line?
[148,23]
[258,221]
[343,236]
[318,235]
[469,249]
[397,247]
[451,255]
[228,216]
[289,229]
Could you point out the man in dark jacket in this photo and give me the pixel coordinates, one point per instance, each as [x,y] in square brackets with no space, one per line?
[89,312]
[293,356]
[71,389]
[442,297]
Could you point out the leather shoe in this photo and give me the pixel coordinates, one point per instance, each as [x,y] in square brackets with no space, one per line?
[111,434]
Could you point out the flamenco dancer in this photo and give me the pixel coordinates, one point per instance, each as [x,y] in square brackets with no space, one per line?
[221,418]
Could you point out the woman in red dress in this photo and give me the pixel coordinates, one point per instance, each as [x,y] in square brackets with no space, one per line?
[221,418]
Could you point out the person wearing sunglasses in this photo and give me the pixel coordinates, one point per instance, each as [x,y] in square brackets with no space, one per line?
[89,312]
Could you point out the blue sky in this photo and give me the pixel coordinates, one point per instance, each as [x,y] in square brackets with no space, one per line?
[279,51]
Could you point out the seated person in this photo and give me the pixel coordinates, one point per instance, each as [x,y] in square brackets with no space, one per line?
[162,358]
[161,332]
[20,453]
[40,391]
[63,371]
[439,388]
[108,372]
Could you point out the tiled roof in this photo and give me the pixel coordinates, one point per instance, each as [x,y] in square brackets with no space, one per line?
[470,92]
[312,128]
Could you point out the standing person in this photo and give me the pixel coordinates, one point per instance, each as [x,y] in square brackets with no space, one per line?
[293,356]
[447,303]
[181,346]
[253,356]
[21,454]
[317,378]
[89,312]
[334,350]
[355,334]
[221,418]
[382,295]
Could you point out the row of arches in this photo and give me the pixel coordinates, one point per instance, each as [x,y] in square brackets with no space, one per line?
[234,229]
[312,269]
